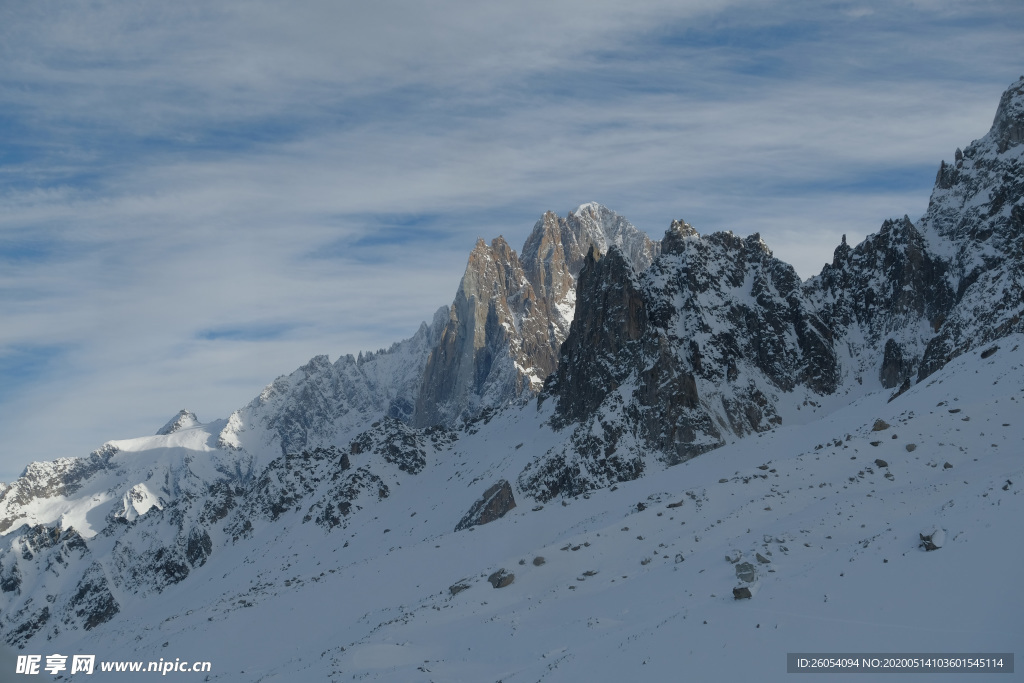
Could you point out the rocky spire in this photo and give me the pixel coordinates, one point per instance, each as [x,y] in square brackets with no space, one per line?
[512,313]
[473,364]
[611,315]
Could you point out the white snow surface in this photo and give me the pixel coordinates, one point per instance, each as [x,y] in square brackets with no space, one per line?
[612,601]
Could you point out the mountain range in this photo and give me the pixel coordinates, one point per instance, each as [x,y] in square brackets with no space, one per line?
[351,520]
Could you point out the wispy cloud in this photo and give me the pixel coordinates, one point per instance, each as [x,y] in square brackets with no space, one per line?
[197,197]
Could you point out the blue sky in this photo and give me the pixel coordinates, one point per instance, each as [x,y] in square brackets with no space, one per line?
[197,197]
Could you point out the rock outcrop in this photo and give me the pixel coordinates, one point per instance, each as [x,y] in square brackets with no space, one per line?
[671,359]
[501,578]
[975,221]
[717,337]
[494,504]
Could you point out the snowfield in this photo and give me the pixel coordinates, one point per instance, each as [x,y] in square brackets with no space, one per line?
[630,588]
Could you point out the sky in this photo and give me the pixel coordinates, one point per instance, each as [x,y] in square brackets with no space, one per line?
[197,197]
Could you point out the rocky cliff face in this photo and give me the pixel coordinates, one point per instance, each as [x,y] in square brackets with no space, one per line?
[883,300]
[717,338]
[700,346]
[496,320]
[512,313]
[975,221]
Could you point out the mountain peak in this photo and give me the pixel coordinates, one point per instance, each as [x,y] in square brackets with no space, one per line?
[1008,125]
[183,420]
[590,209]
[674,241]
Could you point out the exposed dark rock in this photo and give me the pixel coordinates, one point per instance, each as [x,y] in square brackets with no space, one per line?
[93,603]
[880,463]
[10,579]
[880,425]
[221,499]
[198,548]
[29,623]
[494,504]
[329,483]
[741,593]
[587,463]
[457,588]
[399,444]
[610,316]
[745,571]
[932,539]
[902,390]
[501,578]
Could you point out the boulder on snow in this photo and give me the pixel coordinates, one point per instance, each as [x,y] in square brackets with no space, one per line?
[457,588]
[933,538]
[746,572]
[880,425]
[762,559]
[501,578]
[880,463]
[494,504]
[741,593]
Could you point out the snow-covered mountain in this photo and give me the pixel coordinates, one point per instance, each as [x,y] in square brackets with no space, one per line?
[554,415]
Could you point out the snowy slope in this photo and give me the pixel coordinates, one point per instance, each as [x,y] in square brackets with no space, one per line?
[846,571]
